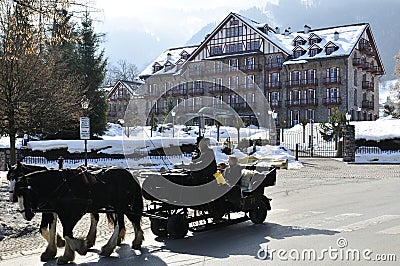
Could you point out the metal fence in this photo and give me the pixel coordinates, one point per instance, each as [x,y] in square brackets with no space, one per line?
[308,142]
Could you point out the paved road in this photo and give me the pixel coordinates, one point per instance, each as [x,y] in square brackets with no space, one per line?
[313,208]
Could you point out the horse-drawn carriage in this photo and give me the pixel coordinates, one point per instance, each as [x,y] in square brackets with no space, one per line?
[175,206]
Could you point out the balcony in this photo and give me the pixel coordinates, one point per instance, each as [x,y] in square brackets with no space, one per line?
[366,48]
[302,83]
[302,102]
[367,104]
[167,94]
[273,66]
[243,106]
[179,92]
[275,103]
[273,85]
[332,101]
[368,85]
[251,68]
[196,91]
[357,62]
[218,89]
[377,70]
[332,81]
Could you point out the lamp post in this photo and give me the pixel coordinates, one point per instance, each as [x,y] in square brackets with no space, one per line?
[173,113]
[348,118]
[85,124]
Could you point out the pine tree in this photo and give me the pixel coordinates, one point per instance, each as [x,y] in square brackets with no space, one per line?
[333,129]
[92,66]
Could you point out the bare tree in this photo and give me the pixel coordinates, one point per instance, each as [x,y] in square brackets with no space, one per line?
[122,70]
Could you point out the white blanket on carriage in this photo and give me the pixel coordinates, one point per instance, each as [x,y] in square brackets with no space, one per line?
[250,178]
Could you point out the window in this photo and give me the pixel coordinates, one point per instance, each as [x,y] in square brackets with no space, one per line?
[355,97]
[310,114]
[234,31]
[332,74]
[216,50]
[298,42]
[253,45]
[329,50]
[274,98]
[294,117]
[234,82]
[298,53]
[250,81]
[313,41]
[311,80]
[274,79]
[250,63]
[233,63]
[313,52]
[294,97]
[279,59]
[295,78]
[311,96]
[332,95]
[355,77]
[234,47]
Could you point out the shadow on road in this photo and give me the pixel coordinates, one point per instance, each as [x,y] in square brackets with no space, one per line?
[243,239]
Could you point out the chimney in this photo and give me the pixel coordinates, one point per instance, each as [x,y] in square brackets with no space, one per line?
[336,36]
[307,29]
[277,30]
[286,32]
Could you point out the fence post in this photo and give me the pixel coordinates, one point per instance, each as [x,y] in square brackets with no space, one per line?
[349,143]
[297,151]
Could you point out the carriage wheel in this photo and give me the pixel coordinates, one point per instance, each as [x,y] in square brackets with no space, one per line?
[158,227]
[258,214]
[177,226]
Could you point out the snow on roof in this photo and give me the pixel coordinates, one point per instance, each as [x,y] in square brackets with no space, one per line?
[348,38]
[172,56]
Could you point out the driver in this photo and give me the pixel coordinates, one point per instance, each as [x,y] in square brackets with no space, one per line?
[204,166]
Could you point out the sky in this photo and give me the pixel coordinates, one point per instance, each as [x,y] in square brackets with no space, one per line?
[132,27]
[139,31]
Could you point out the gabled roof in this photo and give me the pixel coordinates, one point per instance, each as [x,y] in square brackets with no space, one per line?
[131,86]
[168,57]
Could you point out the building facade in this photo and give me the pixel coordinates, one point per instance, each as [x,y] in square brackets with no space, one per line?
[304,75]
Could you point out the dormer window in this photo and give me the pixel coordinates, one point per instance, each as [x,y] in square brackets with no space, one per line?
[156,67]
[314,50]
[298,51]
[330,47]
[184,55]
[299,41]
[314,39]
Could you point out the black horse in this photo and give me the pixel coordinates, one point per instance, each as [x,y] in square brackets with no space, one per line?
[71,193]
[49,220]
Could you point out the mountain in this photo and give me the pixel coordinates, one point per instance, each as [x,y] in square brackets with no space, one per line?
[381,15]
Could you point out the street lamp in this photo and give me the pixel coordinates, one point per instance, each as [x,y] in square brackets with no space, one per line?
[85,124]
[173,113]
[348,117]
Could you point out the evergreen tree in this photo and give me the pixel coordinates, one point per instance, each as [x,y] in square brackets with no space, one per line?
[92,66]
[333,129]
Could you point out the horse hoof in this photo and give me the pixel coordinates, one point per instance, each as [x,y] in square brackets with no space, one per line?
[83,248]
[60,241]
[62,261]
[105,252]
[48,255]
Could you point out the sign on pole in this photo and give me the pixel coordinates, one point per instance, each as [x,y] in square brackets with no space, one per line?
[85,127]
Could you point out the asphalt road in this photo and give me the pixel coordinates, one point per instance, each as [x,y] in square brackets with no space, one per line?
[327,213]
